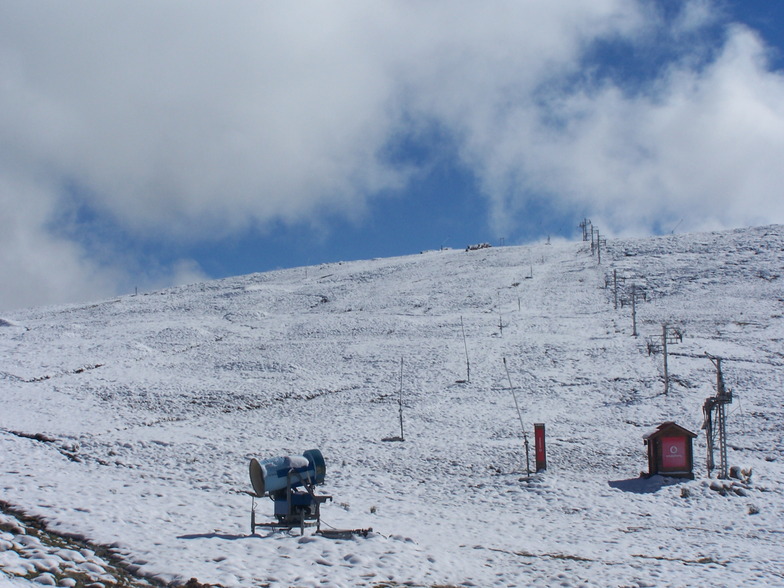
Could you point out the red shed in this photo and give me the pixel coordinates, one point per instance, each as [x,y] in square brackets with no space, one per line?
[670,451]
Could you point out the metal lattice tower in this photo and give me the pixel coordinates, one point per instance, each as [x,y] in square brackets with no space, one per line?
[584,226]
[717,404]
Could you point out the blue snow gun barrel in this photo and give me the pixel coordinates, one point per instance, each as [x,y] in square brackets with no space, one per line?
[280,473]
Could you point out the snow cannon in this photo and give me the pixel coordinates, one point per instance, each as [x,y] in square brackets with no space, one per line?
[280,478]
[279,473]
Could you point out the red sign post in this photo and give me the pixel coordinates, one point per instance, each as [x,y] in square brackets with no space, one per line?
[541,454]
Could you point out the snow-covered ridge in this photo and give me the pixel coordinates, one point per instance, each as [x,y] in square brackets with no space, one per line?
[154,405]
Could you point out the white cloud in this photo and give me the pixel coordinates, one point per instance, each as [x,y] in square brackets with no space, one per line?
[703,146]
[695,15]
[196,119]
[183,115]
[699,143]
[36,266]
[188,271]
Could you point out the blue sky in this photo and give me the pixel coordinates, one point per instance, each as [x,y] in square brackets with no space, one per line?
[144,145]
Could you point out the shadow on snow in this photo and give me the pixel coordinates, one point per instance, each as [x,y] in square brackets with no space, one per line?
[643,485]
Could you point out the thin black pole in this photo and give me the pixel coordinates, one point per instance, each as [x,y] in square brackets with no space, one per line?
[520,416]
[465,345]
[400,400]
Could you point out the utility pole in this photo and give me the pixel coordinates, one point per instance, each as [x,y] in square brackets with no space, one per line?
[634,310]
[664,352]
[615,287]
[598,247]
[669,336]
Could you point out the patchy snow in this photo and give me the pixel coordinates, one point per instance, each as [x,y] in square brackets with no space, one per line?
[29,553]
[131,421]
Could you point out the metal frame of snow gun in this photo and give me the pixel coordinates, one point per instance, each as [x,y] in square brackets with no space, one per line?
[279,479]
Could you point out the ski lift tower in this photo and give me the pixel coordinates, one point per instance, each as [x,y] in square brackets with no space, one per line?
[714,409]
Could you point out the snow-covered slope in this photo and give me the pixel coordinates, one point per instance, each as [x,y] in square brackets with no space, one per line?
[131,421]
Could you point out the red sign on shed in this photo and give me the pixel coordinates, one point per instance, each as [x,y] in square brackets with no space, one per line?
[670,451]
